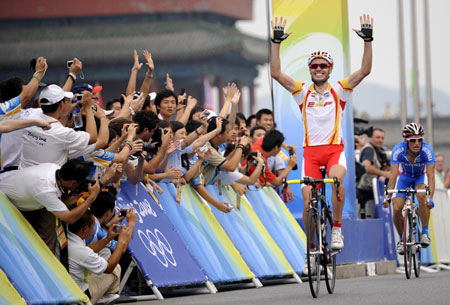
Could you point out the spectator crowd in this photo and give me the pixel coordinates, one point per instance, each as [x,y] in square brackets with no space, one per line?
[63,161]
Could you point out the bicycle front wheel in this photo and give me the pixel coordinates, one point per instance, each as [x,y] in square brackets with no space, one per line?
[313,256]
[407,240]
[417,258]
[329,259]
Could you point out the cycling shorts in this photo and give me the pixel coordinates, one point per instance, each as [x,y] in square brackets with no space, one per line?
[404,181]
[323,155]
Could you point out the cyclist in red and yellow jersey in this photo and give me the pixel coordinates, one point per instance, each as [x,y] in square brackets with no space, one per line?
[322,105]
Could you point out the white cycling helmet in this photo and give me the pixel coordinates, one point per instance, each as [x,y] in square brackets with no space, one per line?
[412,129]
[320,54]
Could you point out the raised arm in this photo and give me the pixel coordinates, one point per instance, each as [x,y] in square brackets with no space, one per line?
[228,92]
[145,88]
[131,87]
[366,66]
[275,64]
[30,89]
[91,126]
[74,70]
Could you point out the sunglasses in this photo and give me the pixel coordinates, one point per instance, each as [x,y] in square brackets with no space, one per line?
[415,140]
[322,66]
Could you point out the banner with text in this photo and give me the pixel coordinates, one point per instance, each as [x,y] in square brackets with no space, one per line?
[158,250]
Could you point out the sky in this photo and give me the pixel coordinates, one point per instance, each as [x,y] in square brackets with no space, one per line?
[385,70]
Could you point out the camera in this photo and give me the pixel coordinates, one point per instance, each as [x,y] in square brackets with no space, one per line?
[250,158]
[69,63]
[205,113]
[359,131]
[291,152]
[79,96]
[136,95]
[123,213]
[118,229]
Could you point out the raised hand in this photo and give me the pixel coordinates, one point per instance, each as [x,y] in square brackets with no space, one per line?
[229,91]
[366,31]
[149,60]
[76,67]
[278,34]
[169,83]
[136,66]
[236,96]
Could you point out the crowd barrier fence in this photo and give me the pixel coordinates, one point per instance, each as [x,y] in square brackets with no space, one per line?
[29,265]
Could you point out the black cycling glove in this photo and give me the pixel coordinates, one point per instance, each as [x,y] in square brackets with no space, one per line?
[366,32]
[278,34]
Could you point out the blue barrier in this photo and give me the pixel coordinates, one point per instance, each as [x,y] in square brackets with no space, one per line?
[280,223]
[203,235]
[156,247]
[249,236]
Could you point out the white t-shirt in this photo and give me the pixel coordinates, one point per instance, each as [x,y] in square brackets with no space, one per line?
[34,188]
[54,145]
[275,163]
[83,260]
[12,144]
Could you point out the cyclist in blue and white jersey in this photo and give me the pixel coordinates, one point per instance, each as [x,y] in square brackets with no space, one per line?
[412,162]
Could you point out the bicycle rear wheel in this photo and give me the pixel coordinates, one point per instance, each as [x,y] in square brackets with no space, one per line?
[329,259]
[407,239]
[313,259]
[417,258]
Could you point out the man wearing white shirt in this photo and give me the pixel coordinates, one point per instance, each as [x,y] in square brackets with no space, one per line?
[36,192]
[102,285]
[54,145]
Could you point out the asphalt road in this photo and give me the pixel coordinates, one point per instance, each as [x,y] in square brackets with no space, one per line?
[430,288]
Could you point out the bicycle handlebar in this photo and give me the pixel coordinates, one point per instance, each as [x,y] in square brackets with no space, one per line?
[407,191]
[309,180]
[313,181]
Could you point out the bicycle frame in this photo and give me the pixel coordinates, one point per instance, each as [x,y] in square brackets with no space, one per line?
[317,232]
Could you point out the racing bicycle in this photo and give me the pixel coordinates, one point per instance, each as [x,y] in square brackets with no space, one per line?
[411,228]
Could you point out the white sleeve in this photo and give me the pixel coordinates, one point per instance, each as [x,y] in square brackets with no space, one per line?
[50,201]
[94,262]
[77,141]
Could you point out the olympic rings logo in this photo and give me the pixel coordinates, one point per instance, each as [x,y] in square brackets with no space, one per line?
[158,246]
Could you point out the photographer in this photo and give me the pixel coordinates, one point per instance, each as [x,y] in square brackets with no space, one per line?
[41,187]
[376,165]
[103,285]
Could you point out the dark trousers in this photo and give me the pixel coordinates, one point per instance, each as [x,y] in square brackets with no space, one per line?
[44,223]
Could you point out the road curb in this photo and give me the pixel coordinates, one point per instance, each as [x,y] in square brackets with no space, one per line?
[365,269]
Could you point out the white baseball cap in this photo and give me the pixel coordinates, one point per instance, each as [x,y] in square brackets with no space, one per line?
[53,94]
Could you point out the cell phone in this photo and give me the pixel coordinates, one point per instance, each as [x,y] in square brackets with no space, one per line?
[182,91]
[123,213]
[79,96]
[118,229]
[69,63]
[33,64]
[205,113]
